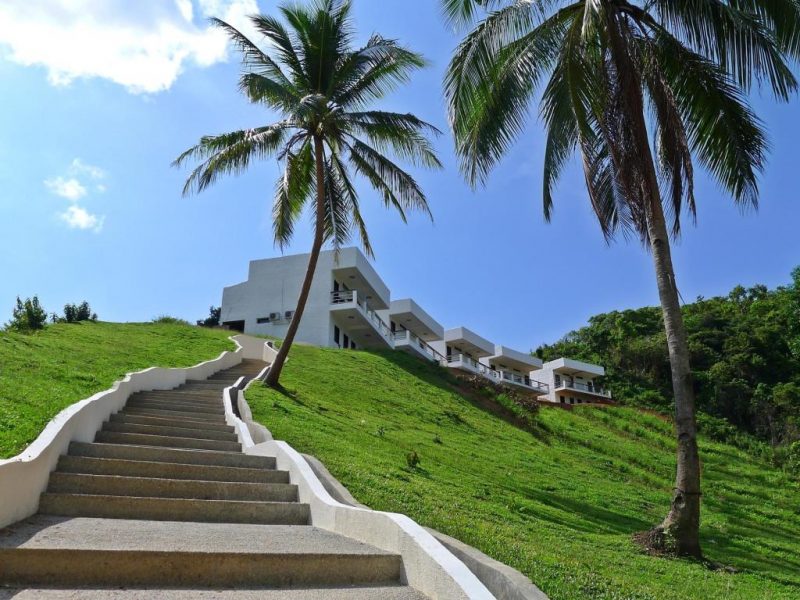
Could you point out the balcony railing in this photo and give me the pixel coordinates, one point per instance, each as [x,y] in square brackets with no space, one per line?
[582,387]
[523,380]
[344,296]
[411,339]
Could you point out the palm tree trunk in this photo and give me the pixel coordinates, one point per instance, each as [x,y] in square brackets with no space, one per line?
[679,533]
[680,530]
[274,373]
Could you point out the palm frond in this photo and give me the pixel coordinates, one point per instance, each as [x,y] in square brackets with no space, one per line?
[400,133]
[229,153]
[293,191]
[492,77]
[371,72]
[724,132]
[736,38]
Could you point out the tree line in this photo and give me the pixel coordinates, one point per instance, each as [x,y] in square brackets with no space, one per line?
[745,357]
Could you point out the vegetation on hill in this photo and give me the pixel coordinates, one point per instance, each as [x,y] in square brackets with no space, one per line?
[559,502]
[745,356]
[44,372]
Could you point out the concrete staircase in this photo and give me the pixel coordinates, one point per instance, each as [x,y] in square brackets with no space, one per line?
[164,502]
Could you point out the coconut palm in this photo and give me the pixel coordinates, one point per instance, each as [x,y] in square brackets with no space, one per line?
[620,74]
[322,88]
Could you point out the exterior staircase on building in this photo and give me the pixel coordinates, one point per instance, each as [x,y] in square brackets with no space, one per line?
[164,504]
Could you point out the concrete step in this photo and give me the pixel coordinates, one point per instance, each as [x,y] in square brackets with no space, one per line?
[211,401]
[171,455]
[205,396]
[170,422]
[185,406]
[173,414]
[143,439]
[387,592]
[173,509]
[183,430]
[165,470]
[202,387]
[147,487]
[48,551]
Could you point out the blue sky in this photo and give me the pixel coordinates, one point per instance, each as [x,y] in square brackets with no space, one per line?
[96,105]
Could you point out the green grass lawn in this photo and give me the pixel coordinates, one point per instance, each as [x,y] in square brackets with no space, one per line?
[44,372]
[560,505]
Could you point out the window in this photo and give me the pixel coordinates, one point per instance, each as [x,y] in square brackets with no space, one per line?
[336,335]
[572,400]
[352,345]
[262,320]
[563,401]
[558,380]
[346,343]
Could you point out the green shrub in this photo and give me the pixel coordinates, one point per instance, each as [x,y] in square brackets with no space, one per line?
[212,320]
[168,320]
[75,313]
[28,315]
[412,459]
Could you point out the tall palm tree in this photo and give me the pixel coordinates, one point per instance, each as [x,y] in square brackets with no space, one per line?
[620,74]
[322,88]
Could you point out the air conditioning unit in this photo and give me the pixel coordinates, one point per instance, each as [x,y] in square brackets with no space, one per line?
[288,314]
[275,316]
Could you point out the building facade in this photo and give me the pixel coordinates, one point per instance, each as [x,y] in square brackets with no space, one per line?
[349,306]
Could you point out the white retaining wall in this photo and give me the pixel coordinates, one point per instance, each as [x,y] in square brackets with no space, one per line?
[428,565]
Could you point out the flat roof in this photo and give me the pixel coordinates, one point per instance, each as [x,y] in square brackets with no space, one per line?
[409,314]
[574,367]
[515,359]
[469,341]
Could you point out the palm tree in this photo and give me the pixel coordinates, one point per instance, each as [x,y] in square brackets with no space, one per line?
[621,73]
[322,88]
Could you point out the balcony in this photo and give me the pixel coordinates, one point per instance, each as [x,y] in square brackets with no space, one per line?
[406,340]
[522,381]
[467,363]
[585,388]
[362,323]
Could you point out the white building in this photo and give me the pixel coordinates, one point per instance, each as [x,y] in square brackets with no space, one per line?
[349,306]
[572,382]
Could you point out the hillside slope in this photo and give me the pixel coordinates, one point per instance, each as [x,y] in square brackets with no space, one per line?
[44,372]
[560,505]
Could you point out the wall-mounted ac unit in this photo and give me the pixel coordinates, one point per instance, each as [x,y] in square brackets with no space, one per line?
[275,316]
[288,314]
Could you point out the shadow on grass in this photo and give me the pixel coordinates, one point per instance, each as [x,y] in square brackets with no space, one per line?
[440,377]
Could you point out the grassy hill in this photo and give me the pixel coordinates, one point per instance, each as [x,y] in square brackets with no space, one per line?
[44,372]
[559,504]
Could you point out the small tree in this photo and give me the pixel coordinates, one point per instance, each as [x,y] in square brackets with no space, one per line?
[28,315]
[75,313]
[212,320]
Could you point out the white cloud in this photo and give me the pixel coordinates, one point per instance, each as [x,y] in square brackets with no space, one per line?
[78,167]
[79,218]
[71,189]
[142,46]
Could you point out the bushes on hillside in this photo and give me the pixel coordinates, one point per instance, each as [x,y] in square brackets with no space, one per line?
[745,356]
[28,315]
[168,320]
[212,320]
[75,313]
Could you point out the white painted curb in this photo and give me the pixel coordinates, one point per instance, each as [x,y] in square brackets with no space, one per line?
[429,566]
[24,477]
